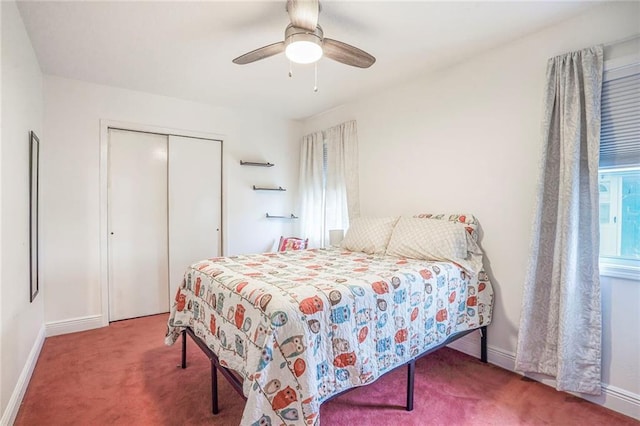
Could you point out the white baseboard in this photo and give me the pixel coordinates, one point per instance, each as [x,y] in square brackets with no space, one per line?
[11,411]
[613,398]
[73,325]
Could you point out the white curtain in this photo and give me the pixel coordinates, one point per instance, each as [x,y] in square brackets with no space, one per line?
[341,189]
[329,182]
[312,188]
[560,326]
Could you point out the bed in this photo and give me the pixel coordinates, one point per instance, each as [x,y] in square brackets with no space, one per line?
[293,329]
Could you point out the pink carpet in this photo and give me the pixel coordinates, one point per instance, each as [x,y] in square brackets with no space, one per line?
[124,375]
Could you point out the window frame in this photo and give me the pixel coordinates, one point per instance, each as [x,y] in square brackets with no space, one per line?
[613,266]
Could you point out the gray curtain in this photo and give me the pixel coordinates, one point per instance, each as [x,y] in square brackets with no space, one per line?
[560,326]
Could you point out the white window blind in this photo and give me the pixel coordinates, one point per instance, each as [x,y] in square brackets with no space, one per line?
[620,125]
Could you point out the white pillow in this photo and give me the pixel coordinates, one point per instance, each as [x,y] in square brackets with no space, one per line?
[369,234]
[428,239]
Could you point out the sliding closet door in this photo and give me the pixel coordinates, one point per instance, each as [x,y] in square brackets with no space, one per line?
[138,235]
[195,203]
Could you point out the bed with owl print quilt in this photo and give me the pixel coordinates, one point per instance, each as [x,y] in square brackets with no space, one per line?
[301,326]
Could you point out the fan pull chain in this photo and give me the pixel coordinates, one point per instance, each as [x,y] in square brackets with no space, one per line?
[290,70]
[315,83]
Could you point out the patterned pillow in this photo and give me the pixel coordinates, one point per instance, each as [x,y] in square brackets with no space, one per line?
[428,239]
[467,220]
[291,243]
[369,234]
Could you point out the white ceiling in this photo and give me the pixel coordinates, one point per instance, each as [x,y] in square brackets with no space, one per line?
[184,49]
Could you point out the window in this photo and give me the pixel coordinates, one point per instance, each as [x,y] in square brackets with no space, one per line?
[620,214]
[619,174]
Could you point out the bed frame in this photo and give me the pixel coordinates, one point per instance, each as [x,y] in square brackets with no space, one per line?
[236,382]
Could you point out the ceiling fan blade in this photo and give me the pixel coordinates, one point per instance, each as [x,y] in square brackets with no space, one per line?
[304,13]
[346,54]
[260,53]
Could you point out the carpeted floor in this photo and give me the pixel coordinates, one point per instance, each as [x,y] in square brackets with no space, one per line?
[124,375]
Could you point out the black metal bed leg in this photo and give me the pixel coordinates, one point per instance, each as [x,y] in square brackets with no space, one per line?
[483,344]
[184,349]
[214,388]
[410,376]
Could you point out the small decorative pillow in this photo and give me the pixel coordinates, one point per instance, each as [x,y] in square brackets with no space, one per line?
[467,220]
[428,239]
[291,243]
[369,234]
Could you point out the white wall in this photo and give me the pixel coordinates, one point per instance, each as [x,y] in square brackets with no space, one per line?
[70,180]
[467,139]
[21,322]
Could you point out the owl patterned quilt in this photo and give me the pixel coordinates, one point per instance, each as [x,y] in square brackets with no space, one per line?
[301,326]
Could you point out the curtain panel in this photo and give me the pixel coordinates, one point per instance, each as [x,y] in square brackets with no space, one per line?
[312,188]
[560,324]
[329,182]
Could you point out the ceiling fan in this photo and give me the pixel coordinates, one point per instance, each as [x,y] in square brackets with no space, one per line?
[304,41]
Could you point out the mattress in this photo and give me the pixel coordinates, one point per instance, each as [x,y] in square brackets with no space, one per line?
[301,326]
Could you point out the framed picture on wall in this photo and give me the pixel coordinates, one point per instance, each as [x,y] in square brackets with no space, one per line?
[34,155]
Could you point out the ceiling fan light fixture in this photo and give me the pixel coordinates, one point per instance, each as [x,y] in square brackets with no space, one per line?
[303,52]
[304,41]
[303,47]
